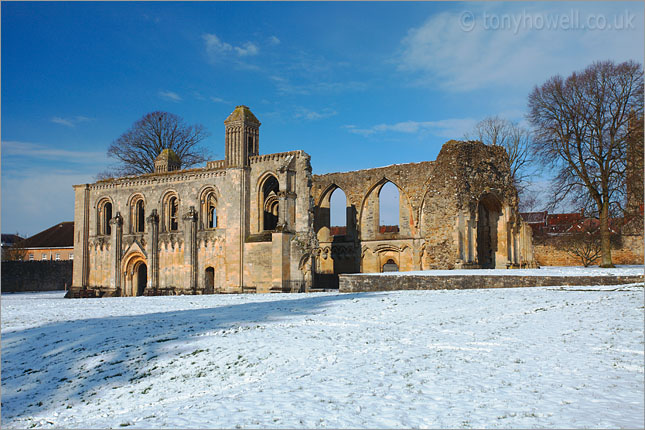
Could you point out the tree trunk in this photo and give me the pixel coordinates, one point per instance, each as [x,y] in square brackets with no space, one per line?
[605,238]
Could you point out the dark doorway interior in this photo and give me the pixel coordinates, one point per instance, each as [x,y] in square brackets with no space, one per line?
[210,280]
[390,266]
[142,278]
[488,213]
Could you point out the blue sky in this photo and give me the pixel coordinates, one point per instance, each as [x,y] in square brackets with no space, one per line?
[356,85]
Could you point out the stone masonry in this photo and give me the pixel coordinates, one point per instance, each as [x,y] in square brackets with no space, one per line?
[260,223]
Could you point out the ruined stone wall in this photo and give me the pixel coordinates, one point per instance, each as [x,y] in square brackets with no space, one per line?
[366,283]
[440,205]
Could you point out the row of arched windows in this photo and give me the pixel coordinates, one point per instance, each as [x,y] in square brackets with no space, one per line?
[388,207]
[269,189]
[169,221]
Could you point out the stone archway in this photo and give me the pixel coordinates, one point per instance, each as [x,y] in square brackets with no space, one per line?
[135,275]
[141,279]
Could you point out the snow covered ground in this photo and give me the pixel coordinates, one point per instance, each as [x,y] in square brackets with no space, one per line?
[526,357]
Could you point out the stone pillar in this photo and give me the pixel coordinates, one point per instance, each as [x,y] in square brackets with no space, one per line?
[153,234]
[281,258]
[470,239]
[190,250]
[117,237]
[282,209]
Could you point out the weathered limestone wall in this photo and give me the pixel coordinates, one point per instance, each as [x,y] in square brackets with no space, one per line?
[443,206]
[194,258]
[366,283]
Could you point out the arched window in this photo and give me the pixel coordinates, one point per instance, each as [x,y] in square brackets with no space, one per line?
[104,215]
[137,215]
[170,212]
[209,209]
[270,203]
[338,213]
[173,209]
[389,208]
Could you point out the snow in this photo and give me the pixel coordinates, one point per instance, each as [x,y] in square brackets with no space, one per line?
[627,270]
[519,357]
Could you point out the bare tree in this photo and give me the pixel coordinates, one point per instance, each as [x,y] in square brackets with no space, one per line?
[581,128]
[514,138]
[14,253]
[584,245]
[137,148]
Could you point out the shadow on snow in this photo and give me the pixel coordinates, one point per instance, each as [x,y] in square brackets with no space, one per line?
[44,365]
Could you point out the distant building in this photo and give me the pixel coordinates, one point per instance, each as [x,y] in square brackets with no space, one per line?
[54,244]
[8,240]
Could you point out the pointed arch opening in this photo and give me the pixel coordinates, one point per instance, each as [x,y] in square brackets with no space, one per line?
[338,213]
[269,203]
[389,204]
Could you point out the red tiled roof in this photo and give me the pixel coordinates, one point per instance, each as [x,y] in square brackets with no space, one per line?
[59,236]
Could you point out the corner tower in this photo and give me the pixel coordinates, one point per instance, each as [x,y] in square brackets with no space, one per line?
[242,137]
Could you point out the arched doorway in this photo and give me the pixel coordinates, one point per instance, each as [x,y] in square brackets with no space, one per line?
[390,266]
[140,279]
[209,281]
[135,274]
[488,213]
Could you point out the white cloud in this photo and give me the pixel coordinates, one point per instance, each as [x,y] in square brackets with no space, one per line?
[442,53]
[218,49]
[70,122]
[303,113]
[274,40]
[214,45]
[169,95]
[34,150]
[39,199]
[218,100]
[452,128]
[285,86]
[248,49]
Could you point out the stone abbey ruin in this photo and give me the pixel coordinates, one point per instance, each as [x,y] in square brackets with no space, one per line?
[261,223]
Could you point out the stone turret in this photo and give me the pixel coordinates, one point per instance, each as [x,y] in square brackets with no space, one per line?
[167,161]
[242,137]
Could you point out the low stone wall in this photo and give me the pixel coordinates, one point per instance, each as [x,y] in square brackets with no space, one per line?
[18,276]
[364,283]
[630,252]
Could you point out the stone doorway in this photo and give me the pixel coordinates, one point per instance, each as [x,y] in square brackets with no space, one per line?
[488,212]
[209,280]
[141,279]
